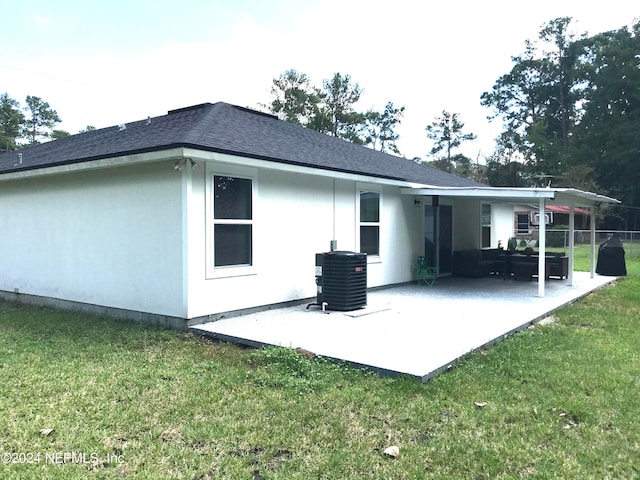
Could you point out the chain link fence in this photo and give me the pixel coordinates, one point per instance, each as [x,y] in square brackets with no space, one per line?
[560,238]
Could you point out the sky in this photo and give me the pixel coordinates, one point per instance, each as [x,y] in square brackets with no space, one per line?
[107,62]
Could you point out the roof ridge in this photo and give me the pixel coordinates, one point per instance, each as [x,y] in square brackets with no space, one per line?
[255,112]
[186,109]
[227,128]
[206,124]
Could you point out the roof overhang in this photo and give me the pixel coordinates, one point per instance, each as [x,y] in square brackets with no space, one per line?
[557,196]
[171,154]
[575,197]
[233,159]
[176,153]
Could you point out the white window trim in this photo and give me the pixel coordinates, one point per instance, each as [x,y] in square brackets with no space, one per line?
[522,231]
[211,271]
[482,215]
[486,225]
[367,187]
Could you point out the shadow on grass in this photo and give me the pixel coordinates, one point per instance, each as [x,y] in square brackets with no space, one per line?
[50,328]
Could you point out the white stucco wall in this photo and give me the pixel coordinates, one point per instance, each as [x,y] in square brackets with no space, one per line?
[109,237]
[502,224]
[296,215]
[136,237]
[401,239]
[466,225]
[467,229]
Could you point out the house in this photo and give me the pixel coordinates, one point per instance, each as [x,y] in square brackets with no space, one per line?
[216,208]
[526,220]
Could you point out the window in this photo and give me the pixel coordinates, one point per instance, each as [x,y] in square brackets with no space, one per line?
[522,224]
[486,225]
[232,221]
[370,223]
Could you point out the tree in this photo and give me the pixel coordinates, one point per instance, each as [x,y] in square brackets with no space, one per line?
[573,106]
[11,120]
[331,110]
[294,98]
[538,99]
[56,134]
[562,77]
[41,118]
[504,166]
[606,139]
[517,96]
[88,128]
[380,128]
[340,96]
[580,176]
[447,134]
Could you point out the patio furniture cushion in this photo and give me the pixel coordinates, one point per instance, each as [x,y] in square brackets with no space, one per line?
[524,270]
[558,266]
[470,263]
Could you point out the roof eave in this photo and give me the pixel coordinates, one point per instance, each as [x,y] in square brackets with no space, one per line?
[180,150]
[559,196]
[498,193]
[257,161]
[98,162]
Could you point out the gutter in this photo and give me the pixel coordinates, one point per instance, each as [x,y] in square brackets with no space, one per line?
[180,151]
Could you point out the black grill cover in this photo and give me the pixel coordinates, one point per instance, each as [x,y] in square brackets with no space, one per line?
[611,258]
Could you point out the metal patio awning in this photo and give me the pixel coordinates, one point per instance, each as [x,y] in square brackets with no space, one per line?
[543,196]
[551,196]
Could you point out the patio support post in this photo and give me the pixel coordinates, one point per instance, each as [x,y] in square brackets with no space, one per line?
[572,230]
[542,240]
[592,270]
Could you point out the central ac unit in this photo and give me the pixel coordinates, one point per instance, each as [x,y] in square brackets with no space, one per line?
[341,278]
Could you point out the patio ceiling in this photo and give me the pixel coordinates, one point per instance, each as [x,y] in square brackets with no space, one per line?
[551,196]
[568,197]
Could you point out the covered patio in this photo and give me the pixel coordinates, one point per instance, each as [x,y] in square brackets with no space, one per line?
[568,198]
[410,329]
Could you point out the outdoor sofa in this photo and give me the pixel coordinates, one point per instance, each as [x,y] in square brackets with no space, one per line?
[525,267]
[484,262]
[476,262]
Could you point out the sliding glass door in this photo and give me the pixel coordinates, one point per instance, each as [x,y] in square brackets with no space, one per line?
[438,242]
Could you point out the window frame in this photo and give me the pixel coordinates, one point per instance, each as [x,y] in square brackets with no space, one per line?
[522,231]
[484,225]
[367,188]
[222,271]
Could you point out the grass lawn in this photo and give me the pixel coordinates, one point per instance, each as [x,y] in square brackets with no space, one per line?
[582,255]
[129,401]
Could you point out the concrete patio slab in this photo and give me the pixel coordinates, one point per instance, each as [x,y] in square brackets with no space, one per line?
[410,329]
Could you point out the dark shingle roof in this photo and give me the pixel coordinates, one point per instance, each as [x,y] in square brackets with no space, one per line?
[226,128]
